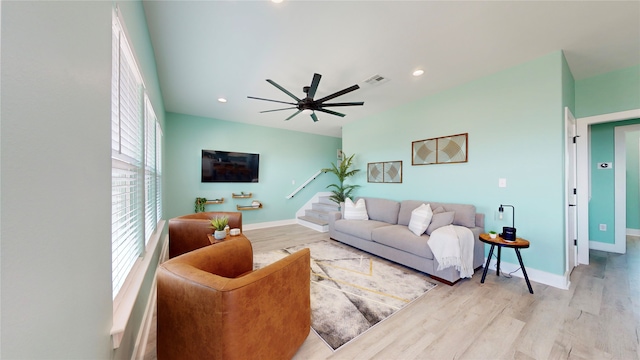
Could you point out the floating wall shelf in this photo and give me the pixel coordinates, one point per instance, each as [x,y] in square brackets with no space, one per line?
[215,201]
[241,196]
[248,207]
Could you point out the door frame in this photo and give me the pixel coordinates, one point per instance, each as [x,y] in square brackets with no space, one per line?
[584,175]
[571,218]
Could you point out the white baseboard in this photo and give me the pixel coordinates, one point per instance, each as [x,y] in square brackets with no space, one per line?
[633,232]
[596,245]
[542,277]
[268,224]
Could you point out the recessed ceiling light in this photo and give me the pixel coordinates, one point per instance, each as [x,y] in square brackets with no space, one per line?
[418,72]
[276,1]
[222,100]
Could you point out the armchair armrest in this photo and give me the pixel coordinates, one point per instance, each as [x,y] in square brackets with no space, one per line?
[270,305]
[189,232]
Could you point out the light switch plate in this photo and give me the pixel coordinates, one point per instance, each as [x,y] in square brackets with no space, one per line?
[502,182]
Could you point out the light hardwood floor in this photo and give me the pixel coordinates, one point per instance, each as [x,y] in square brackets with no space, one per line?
[597,318]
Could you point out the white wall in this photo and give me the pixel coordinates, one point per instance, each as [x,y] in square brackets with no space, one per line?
[55,244]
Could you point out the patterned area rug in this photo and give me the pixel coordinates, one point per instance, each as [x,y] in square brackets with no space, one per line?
[351,290]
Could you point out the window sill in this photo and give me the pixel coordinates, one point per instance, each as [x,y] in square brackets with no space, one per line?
[126,299]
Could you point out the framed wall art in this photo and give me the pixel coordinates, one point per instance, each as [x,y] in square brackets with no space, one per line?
[384,172]
[441,150]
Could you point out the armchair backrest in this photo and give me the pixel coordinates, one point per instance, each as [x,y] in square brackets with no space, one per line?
[189,232]
[211,305]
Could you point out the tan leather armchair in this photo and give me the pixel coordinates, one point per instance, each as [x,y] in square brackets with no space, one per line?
[212,305]
[189,232]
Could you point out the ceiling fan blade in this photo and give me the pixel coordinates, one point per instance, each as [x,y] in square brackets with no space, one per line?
[289,108]
[297,112]
[339,93]
[342,104]
[331,112]
[278,101]
[282,89]
[314,85]
[314,117]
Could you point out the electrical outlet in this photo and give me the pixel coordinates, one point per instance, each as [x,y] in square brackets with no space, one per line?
[603,227]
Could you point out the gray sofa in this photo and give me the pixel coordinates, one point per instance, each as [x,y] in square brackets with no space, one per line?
[386,234]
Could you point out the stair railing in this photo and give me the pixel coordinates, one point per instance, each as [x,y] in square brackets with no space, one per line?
[304,184]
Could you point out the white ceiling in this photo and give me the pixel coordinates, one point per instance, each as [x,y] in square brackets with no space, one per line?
[210,49]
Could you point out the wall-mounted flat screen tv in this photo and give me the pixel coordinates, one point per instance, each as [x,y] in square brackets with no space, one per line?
[228,166]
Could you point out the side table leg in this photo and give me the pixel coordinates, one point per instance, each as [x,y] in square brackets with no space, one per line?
[498,266]
[486,266]
[524,271]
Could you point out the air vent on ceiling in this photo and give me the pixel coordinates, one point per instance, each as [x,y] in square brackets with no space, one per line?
[376,80]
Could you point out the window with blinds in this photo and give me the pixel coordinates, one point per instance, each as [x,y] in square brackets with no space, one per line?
[136,146]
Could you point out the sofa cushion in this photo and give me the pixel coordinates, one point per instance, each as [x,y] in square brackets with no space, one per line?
[358,228]
[420,219]
[439,220]
[357,211]
[465,215]
[383,210]
[401,238]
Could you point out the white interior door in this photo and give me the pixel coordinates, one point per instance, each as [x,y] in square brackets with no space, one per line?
[570,183]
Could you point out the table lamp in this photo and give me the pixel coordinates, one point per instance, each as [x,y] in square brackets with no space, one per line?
[508,233]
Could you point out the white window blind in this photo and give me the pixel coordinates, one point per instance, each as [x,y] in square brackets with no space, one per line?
[135,148]
[150,169]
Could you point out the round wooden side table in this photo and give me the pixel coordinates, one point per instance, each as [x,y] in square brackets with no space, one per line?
[516,245]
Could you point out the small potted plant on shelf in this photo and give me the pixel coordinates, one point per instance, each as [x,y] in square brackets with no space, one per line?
[219,224]
[493,234]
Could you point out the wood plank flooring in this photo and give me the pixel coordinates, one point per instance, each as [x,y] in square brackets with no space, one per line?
[597,318]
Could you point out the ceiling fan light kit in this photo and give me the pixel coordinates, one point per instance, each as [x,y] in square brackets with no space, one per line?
[308,104]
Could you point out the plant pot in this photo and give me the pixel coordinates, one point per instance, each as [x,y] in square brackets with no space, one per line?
[219,234]
[493,236]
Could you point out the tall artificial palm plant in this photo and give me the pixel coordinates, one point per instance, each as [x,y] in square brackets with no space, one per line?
[341,191]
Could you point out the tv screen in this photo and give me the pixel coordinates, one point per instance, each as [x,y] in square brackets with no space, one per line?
[227,166]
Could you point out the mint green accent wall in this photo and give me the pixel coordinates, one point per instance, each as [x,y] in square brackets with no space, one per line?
[56,137]
[285,156]
[568,87]
[601,203]
[608,93]
[633,181]
[515,121]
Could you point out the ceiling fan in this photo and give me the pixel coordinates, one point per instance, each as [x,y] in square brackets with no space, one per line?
[308,103]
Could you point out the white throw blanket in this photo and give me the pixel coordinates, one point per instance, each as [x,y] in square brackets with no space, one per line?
[453,246]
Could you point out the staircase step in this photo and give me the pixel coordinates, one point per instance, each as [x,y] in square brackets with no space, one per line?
[324,207]
[327,200]
[324,215]
[314,220]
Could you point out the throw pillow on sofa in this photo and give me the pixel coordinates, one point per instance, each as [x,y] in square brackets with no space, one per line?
[439,220]
[357,211]
[420,219]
